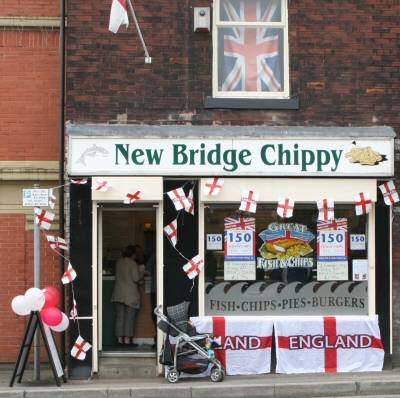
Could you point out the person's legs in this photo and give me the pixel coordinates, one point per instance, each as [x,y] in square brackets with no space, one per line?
[153,299]
[129,324]
[119,321]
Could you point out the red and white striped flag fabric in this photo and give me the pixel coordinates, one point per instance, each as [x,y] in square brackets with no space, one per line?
[179,199]
[245,342]
[118,15]
[80,348]
[326,209]
[213,187]
[285,207]
[249,201]
[363,203]
[239,222]
[101,185]
[389,192]
[44,218]
[171,230]
[74,310]
[328,344]
[69,275]
[82,181]
[194,267]
[56,242]
[131,198]
[52,199]
[190,209]
[338,223]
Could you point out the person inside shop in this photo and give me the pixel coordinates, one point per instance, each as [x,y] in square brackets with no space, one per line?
[126,296]
[151,271]
[141,261]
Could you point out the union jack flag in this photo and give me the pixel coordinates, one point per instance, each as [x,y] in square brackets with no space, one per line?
[240,222]
[252,59]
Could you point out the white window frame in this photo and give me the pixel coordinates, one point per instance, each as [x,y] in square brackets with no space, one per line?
[250,94]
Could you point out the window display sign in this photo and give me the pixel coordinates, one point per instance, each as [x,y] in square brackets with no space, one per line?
[239,243]
[357,242]
[332,250]
[286,245]
[214,241]
[239,270]
[360,270]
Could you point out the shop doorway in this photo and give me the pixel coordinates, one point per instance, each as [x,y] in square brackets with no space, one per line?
[119,227]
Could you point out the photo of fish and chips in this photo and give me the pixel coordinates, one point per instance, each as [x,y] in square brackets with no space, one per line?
[365,156]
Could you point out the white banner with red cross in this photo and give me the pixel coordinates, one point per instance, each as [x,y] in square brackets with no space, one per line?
[69,275]
[80,348]
[245,342]
[131,198]
[171,230]
[194,267]
[328,344]
[363,203]
[101,185]
[190,197]
[285,207]
[389,192]
[44,218]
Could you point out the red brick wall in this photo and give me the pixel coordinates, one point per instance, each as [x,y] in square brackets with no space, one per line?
[29,84]
[16,253]
[30,8]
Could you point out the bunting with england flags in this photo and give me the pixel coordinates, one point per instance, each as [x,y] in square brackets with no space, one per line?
[285,207]
[213,187]
[69,275]
[171,231]
[194,267]
[363,203]
[190,197]
[179,199]
[131,198]
[326,209]
[44,218]
[249,201]
[80,348]
[101,185]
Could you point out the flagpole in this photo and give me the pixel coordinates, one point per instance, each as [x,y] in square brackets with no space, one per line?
[148,58]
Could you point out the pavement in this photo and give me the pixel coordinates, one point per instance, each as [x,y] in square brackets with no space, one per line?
[371,384]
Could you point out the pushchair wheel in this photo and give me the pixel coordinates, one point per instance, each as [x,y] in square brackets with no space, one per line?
[216,374]
[172,376]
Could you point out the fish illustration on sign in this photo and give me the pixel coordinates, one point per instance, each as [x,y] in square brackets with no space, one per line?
[91,152]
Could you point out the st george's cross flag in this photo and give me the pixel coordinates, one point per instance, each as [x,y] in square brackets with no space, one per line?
[363,203]
[389,192]
[131,198]
[213,187]
[80,348]
[101,185]
[326,209]
[44,218]
[194,267]
[179,199]
[118,15]
[245,342]
[69,275]
[285,207]
[190,197]
[328,344]
[249,201]
[56,242]
[171,230]
[74,310]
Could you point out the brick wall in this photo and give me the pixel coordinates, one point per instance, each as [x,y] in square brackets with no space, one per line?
[16,253]
[29,84]
[30,8]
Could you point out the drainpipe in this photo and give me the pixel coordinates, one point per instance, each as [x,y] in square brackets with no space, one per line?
[61,180]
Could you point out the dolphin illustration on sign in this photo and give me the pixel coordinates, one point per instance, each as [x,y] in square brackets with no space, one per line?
[92,152]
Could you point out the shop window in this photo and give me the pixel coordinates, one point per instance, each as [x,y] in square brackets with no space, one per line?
[250,49]
[295,266]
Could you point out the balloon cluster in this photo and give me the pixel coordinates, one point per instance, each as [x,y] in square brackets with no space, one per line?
[45,301]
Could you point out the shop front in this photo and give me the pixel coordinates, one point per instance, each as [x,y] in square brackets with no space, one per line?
[312,240]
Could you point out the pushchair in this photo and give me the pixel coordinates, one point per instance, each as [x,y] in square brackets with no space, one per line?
[190,354]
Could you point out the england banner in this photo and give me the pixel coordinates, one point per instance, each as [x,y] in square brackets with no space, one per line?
[328,344]
[245,342]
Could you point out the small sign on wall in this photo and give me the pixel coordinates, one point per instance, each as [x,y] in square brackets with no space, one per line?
[357,242]
[214,241]
[35,197]
[360,270]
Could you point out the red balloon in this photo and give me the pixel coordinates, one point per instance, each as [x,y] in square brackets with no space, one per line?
[51,316]
[52,297]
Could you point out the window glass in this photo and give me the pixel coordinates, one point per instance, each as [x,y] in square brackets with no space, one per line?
[250,59]
[285,266]
[250,11]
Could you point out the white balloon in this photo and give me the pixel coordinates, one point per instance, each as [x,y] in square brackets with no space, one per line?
[63,325]
[20,306]
[35,299]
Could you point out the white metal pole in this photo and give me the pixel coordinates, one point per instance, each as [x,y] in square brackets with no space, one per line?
[36,281]
[146,53]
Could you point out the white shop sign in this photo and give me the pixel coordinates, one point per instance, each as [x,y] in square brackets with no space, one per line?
[289,156]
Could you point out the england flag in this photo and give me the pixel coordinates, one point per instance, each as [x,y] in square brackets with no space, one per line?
[118,15]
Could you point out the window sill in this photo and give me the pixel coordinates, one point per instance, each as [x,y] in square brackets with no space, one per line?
[251,103]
